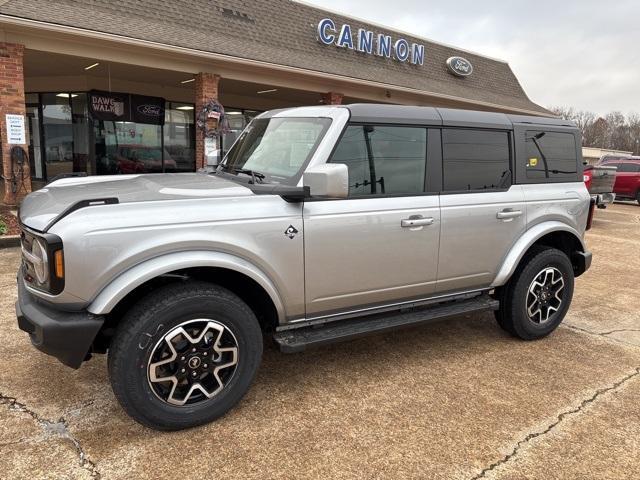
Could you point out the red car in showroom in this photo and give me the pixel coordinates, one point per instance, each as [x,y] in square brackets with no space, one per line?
[627,185]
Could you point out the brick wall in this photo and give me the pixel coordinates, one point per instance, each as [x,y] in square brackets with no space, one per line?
[12,101]
[332,98]
[206,89]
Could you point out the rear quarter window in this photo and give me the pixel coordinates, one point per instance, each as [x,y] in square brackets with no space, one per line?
[550,156]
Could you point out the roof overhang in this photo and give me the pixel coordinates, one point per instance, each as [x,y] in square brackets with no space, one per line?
[210,61]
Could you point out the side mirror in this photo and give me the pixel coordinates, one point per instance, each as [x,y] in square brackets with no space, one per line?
[328,181]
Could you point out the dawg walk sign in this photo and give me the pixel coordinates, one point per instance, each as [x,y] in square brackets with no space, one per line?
[125,107]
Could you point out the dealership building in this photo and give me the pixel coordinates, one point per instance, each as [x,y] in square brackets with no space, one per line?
[131,86]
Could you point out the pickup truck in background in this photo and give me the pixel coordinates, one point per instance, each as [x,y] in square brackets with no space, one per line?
[627,179]
[600,180]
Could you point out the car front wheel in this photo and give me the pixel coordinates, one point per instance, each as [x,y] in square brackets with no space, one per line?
[536,299]
[184,355]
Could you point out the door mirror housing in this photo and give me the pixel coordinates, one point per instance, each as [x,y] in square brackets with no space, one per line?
[327,181]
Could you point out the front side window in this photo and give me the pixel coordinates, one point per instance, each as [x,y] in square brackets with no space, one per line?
[475,160]
[383,160]
[550,156]
[276,149]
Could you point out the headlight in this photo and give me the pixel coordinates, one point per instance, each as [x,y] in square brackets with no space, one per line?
[41,261]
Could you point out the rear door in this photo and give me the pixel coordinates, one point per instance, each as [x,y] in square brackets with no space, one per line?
[482,213]
[380,245]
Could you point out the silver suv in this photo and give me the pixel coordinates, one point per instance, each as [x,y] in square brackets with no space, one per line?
[321,224]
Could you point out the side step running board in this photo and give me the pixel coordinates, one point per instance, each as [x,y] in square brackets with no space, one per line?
[297,340]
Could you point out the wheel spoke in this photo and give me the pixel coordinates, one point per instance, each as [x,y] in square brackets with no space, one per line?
[544,296]
[184,365]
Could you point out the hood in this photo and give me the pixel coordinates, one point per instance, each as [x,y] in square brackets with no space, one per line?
[43,207]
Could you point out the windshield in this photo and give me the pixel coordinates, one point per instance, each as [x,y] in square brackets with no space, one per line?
[275,149]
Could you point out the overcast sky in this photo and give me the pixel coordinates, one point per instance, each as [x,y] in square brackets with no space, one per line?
[577,53]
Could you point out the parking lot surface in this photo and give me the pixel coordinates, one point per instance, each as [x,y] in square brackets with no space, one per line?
[455,400]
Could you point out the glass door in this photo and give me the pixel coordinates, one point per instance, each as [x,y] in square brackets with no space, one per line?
[37,167]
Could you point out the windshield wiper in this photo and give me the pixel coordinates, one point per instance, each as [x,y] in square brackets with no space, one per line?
[256,177]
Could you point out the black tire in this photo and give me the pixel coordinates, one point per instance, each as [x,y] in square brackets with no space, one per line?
[161,313]
[512,315]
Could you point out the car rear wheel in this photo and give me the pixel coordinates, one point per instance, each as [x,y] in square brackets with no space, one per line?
[536,299]
[184,355]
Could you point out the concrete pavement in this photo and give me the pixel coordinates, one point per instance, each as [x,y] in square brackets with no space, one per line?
[454,400]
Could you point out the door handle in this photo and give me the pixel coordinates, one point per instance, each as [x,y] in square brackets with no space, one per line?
[416,221]
[508,213]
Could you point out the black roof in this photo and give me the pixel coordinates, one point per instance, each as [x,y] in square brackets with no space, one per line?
[373,113]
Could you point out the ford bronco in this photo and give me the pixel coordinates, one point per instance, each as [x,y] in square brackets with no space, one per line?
[320,224]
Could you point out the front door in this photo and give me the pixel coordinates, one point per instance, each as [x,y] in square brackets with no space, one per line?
[379,246]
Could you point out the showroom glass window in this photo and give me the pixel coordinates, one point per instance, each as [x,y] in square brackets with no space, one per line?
[383,160]
[179,137]
[475,160]
[550,156]
[128,148]
[57,133]
[238,119]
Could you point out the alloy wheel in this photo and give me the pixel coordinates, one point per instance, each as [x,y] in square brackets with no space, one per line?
[545,295]
[193,362]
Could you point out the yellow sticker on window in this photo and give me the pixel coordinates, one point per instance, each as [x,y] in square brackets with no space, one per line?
[532,162]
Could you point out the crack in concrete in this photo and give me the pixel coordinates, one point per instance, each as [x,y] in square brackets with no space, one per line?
[605,334]
[620,331]
[555,423]
[59,428]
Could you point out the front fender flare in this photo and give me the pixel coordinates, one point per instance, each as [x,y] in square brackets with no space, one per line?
[122,285]
[523,244]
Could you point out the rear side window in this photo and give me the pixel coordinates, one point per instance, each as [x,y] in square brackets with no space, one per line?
[628,167]
[551,156]
[383,160]
[475,160]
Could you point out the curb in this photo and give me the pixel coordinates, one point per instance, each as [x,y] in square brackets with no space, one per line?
[9,241]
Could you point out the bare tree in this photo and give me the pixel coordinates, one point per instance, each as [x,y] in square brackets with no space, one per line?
[613,131]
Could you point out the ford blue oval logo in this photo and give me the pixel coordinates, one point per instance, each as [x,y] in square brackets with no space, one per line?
[150,110]
[460,66]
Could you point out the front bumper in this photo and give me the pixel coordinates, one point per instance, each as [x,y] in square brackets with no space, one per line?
[65,335]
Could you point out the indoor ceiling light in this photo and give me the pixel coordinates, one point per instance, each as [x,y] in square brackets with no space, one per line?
[66,95]
[92,66]
[188,81]
[185,107]
[268,91]
[233,113]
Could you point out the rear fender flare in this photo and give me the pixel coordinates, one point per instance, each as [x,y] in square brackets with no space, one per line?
[525,242]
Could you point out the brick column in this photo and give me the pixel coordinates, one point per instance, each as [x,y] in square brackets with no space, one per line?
[206,86]
[12,101]
[332,98]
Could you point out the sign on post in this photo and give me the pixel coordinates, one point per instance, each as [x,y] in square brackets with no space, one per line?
[15,130]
